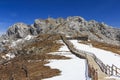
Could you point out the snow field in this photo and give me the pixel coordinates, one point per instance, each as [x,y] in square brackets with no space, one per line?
[106,57]
[71,69]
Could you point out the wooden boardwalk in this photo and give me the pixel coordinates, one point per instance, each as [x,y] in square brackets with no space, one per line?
[94,65]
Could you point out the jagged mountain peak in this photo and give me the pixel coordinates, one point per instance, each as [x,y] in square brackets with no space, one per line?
[18,30]
[18,25]
[76,18]
[71,26]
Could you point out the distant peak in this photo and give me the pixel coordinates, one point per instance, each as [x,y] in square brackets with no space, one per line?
[76,18]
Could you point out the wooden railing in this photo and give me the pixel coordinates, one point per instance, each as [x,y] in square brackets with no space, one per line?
[72,49]
[93,72]
[112,70]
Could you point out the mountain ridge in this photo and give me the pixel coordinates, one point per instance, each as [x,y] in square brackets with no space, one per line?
[71,26]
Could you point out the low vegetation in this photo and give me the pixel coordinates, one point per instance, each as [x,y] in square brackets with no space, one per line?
[32,66]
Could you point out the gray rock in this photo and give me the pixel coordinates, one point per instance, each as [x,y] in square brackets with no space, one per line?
[71,26]
[2,48]
[18,30]
[33,31]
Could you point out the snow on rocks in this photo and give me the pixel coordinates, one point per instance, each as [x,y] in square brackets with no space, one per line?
[28,37]
[8,56]
[14,43]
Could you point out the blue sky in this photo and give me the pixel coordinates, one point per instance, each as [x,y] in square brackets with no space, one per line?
[12,11]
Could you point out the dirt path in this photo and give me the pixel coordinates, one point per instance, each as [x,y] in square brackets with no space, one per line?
[89,58]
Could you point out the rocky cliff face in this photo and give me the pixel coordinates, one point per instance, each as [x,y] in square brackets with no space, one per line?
[71,26]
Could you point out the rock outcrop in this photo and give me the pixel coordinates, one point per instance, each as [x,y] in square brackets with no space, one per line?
[71,26]
[19,30]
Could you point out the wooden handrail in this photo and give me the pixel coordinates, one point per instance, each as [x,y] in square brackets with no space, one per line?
[109,70]
[112,70]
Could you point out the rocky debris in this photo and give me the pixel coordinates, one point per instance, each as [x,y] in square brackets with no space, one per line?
[2,48]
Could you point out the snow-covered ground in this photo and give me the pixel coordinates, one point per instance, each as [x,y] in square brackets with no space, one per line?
[75,68]
[71,69]
[106,56]
[14,43]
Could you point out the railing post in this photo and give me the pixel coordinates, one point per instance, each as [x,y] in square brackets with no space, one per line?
[96,75]
[106,69]
[109,69]
[116,70]
[112,69]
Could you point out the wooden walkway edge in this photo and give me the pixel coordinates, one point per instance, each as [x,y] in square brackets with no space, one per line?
[94,64]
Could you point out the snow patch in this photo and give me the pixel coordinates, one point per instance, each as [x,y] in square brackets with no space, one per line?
[71,69]
[113,77]
[106,57]
[63,48]
[28,37]
[8,56]
[14,43]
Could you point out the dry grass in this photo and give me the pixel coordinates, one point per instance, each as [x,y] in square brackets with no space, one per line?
[31,66]
[35,69]
[105,46]
[45,42]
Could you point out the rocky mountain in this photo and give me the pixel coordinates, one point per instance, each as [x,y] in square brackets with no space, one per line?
[30,42]
[71,26]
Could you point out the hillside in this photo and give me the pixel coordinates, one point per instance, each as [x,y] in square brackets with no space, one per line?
[38,51]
